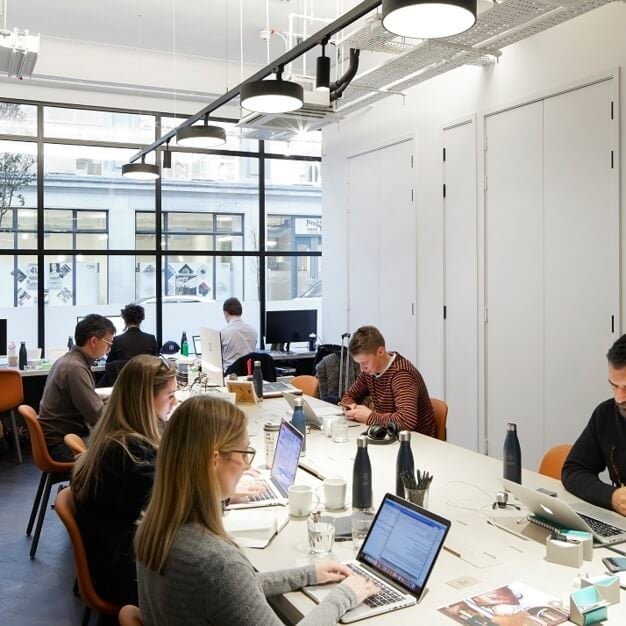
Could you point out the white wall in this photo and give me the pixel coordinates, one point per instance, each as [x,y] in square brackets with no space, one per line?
[568,54]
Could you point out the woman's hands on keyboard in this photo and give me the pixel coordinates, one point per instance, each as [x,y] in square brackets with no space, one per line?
[362,587]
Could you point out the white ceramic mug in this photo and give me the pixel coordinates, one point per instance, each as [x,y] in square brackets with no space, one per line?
[335,493]
[301,500]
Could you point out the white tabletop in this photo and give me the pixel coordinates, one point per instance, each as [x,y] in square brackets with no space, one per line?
[463,489]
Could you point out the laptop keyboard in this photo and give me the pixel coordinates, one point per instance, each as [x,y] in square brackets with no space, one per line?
[386,595]
[262,497]
[601,528]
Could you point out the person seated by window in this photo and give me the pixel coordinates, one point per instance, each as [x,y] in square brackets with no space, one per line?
[238,338]
[69,403]
[397,389]
[133,341]
[189,570]
[113,479]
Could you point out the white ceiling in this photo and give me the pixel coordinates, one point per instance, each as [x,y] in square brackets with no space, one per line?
[206,28]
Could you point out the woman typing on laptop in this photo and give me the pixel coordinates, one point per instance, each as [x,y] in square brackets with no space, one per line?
[189,570]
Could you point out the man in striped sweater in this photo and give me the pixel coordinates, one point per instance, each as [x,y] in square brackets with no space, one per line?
[396,388]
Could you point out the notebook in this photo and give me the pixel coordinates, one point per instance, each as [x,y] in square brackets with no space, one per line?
[605,526]
[283,472]
[398,554]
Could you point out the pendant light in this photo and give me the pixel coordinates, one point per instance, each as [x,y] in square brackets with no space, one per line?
[140,171]
[167,157]
[428,19]
[272,96]
[322,76]
[206,136]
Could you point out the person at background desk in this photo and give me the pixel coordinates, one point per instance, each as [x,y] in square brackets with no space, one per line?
[602,444]
[70,403]
[133,341]
[238,338]
[396,388]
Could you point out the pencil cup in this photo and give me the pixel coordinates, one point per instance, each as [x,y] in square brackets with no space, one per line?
[417,496]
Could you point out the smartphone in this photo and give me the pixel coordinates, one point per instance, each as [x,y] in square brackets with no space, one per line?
[615,563]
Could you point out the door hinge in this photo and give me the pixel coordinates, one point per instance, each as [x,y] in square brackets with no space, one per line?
[411,195]
[444,155]
[444,190]
[612,159]
[411,160]
[445,312]
[612,110]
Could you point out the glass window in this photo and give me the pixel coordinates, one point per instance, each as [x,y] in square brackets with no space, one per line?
[18,228]
[291,278]
[301,144]
[18,176]
[62,123]
[18,119]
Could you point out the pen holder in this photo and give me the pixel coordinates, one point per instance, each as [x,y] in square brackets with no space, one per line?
[586,606]
[417,496]
[564,552]
[607,586]
[583,537]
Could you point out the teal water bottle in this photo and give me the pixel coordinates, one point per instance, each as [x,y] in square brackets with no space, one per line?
[184,345]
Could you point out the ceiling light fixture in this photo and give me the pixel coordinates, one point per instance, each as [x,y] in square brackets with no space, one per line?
[428,19]
[272,96]
[140,171]
[205,136]
[322,76]
[167,157]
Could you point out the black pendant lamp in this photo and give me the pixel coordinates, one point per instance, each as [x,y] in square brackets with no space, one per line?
[206,136]
[428,19]
[167,157]
[140,171]
[272,96]
[322,76]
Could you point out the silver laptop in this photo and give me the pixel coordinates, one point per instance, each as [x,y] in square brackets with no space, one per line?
[283,473]
[277,389]
[315,416]
[398,554]
[552,512]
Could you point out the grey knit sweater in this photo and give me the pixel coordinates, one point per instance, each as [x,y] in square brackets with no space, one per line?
[209,581]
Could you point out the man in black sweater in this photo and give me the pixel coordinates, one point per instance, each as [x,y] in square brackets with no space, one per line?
[602,444]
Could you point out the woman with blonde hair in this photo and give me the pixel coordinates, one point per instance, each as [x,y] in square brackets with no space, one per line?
[188,569]
[112,480]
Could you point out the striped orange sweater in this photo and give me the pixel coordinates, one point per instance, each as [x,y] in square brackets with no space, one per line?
[400,395]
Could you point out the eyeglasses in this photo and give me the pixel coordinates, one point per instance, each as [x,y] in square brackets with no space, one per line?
[247,455]
[108,343]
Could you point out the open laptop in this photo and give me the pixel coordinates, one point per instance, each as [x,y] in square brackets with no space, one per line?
[605,526]
[283,472]
[398,554]
[276,390]
[315,416]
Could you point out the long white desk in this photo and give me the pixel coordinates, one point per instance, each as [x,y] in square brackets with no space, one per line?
[463,489]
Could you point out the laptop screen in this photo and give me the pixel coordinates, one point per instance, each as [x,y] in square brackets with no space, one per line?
[403,543]
[286,456]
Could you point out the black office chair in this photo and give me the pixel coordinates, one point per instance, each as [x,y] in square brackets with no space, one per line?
[111,372]
[240,366]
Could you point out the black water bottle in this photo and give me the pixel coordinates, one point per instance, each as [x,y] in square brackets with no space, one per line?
[257,380]
[70,343]
[22,356]
[362,476]
[512,455]
[404,461]
[298,420]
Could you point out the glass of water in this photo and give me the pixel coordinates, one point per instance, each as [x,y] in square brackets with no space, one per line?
[321,534]
[361,522]
[339,430]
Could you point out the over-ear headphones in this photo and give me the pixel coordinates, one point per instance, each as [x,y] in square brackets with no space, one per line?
[380,433]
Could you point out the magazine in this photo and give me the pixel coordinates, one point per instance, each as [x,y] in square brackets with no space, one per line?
[515,604]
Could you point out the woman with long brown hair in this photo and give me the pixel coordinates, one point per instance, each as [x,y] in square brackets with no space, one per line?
[189,570]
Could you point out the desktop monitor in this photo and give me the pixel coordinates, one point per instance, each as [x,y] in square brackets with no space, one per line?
[3,337]
[117,320]
[289,326]
[211,350]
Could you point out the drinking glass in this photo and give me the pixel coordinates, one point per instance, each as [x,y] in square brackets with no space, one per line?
[361,522]
[339,429]
[321,534]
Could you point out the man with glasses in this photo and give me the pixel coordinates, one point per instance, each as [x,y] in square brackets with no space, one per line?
[602,444]
[69,403]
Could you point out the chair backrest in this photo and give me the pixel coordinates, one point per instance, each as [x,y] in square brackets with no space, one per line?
[66,510]
[111,372]
[240,366]
[130,616]
[440,409]
[11,390]
[41,456]
[74,443]
[553,459]
[307,384]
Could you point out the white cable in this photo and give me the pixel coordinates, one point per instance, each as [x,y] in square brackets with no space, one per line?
[241,41]
[267,27]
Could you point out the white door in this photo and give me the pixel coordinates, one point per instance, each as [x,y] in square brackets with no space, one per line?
[461,285]
[381,243]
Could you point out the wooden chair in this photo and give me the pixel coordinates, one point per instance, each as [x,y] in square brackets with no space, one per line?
[11,396]
[74,443]
[66,510]
[440,409]
[553,459]
[307,384]
[130,616]
[52,472]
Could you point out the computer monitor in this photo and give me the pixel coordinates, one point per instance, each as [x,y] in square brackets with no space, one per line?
[290,326]
[117,320]
[3,337]
[197,345]
[211,350]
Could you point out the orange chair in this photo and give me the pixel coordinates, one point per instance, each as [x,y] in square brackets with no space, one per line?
[74,443]
[307,384]
[11,396]
[553,459]
[130,616]
[440,409]
[66,510]
[52,472]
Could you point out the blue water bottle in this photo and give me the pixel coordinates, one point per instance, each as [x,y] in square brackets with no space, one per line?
[257,380]
[298,420]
